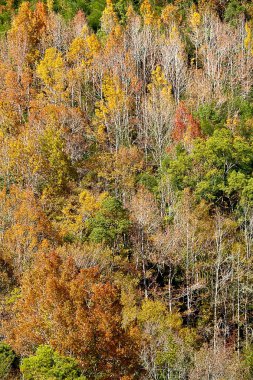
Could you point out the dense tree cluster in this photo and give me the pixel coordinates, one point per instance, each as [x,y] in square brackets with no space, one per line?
[126,190]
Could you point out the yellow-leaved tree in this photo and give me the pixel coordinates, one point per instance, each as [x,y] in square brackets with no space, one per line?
[112,114]
[109,18]
[148,14]
[248,40]
[158,112]
[81,55]
[51,70]
[77,210]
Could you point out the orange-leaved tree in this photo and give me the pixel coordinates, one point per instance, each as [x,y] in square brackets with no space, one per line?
[78,313]
[186,127]
[24,229]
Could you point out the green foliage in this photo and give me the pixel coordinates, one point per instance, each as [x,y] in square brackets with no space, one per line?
[210,118]
[5,18]
[218,169]
[92,8]
[184,6]
[69,8]
[248,360]
[95,9]
[47,364]
[233,10]
[7,358]
[109,223]
[149,181]
[179,168]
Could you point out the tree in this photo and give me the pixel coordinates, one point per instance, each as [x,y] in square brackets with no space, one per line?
[111,116]
[186,128]
[83,50]
[27,31]
[248,37]
[174,61]
[75,311]
[222,363]
[148,14]
[119,170]
[109,18]
[25,229]
[51,71]
[126,150]
[225,159]
[109,225]
[146,220]
[7,359]
[169,14]
[47,364]
[158,111]
[77,211]
[54,164]
[163,353]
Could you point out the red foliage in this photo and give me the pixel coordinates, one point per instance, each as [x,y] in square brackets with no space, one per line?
[185,127]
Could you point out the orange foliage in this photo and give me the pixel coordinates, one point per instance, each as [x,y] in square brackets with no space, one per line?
[186,127]
[26,34]
[77,312]
[24,228]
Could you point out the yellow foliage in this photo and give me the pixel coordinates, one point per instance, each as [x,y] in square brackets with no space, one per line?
[152,312]
[26,32]
[17,153]
[83,50]
[158,79]
[109,18]
[248,38]
[50,5]
[120,167]
[24,228]
[175,38]
[130,13]
[23,20]
[128,284]
[76,49]
[113,93]
[159,88]
[233,122]
[52,72]
[174,33]
[156,314]
[78,210]
[168,15]
[89,204]
[149,16]
[114,39]
[195,19]
[55,164]
[109,108]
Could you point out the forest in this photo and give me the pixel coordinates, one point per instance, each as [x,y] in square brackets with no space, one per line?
[126,190]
